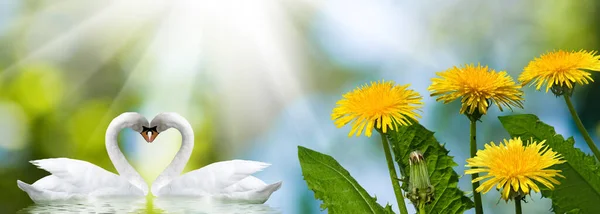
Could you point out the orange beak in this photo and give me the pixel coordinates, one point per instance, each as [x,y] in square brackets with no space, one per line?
[149,136]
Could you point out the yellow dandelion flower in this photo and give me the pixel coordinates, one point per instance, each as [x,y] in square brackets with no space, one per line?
[476,86]
[561,68]
[513,165]
[384,103]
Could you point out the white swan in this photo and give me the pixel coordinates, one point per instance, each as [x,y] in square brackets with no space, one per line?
[227,180]
[76,179]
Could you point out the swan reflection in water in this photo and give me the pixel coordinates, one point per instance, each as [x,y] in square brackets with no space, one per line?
[189,205]
[105,205]
[150,205]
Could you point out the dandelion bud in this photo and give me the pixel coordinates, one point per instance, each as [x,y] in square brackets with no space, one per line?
[421,191]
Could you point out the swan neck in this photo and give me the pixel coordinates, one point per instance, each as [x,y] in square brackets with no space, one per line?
[114,153]
[178,163]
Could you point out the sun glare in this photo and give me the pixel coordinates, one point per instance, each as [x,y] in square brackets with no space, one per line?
[246,57]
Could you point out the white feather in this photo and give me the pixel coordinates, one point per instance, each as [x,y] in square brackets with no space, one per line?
[227,180]
[77,179]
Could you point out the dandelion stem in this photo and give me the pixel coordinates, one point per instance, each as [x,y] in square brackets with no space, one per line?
[422,208]
[393,175]
[476,195]
[581,128]
[518,209]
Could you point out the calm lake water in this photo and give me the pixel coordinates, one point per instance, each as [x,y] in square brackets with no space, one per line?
[149,205]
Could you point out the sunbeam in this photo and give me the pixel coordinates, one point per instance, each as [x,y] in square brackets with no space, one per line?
[120,35]
[137,72]
[248,62]
[171,81]
[115,19]
[63,40]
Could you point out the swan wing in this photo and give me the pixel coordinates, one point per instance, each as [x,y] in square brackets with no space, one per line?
[246,184]
[70,175]
[255,196]
[54,183]
[214,178]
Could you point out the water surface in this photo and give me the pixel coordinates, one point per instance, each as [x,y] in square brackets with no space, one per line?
[150,205]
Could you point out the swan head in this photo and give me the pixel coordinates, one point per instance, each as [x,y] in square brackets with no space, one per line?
[139,124]
[149,133]
[167,120]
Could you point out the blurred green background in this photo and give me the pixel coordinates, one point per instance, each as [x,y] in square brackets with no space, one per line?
[257,78]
